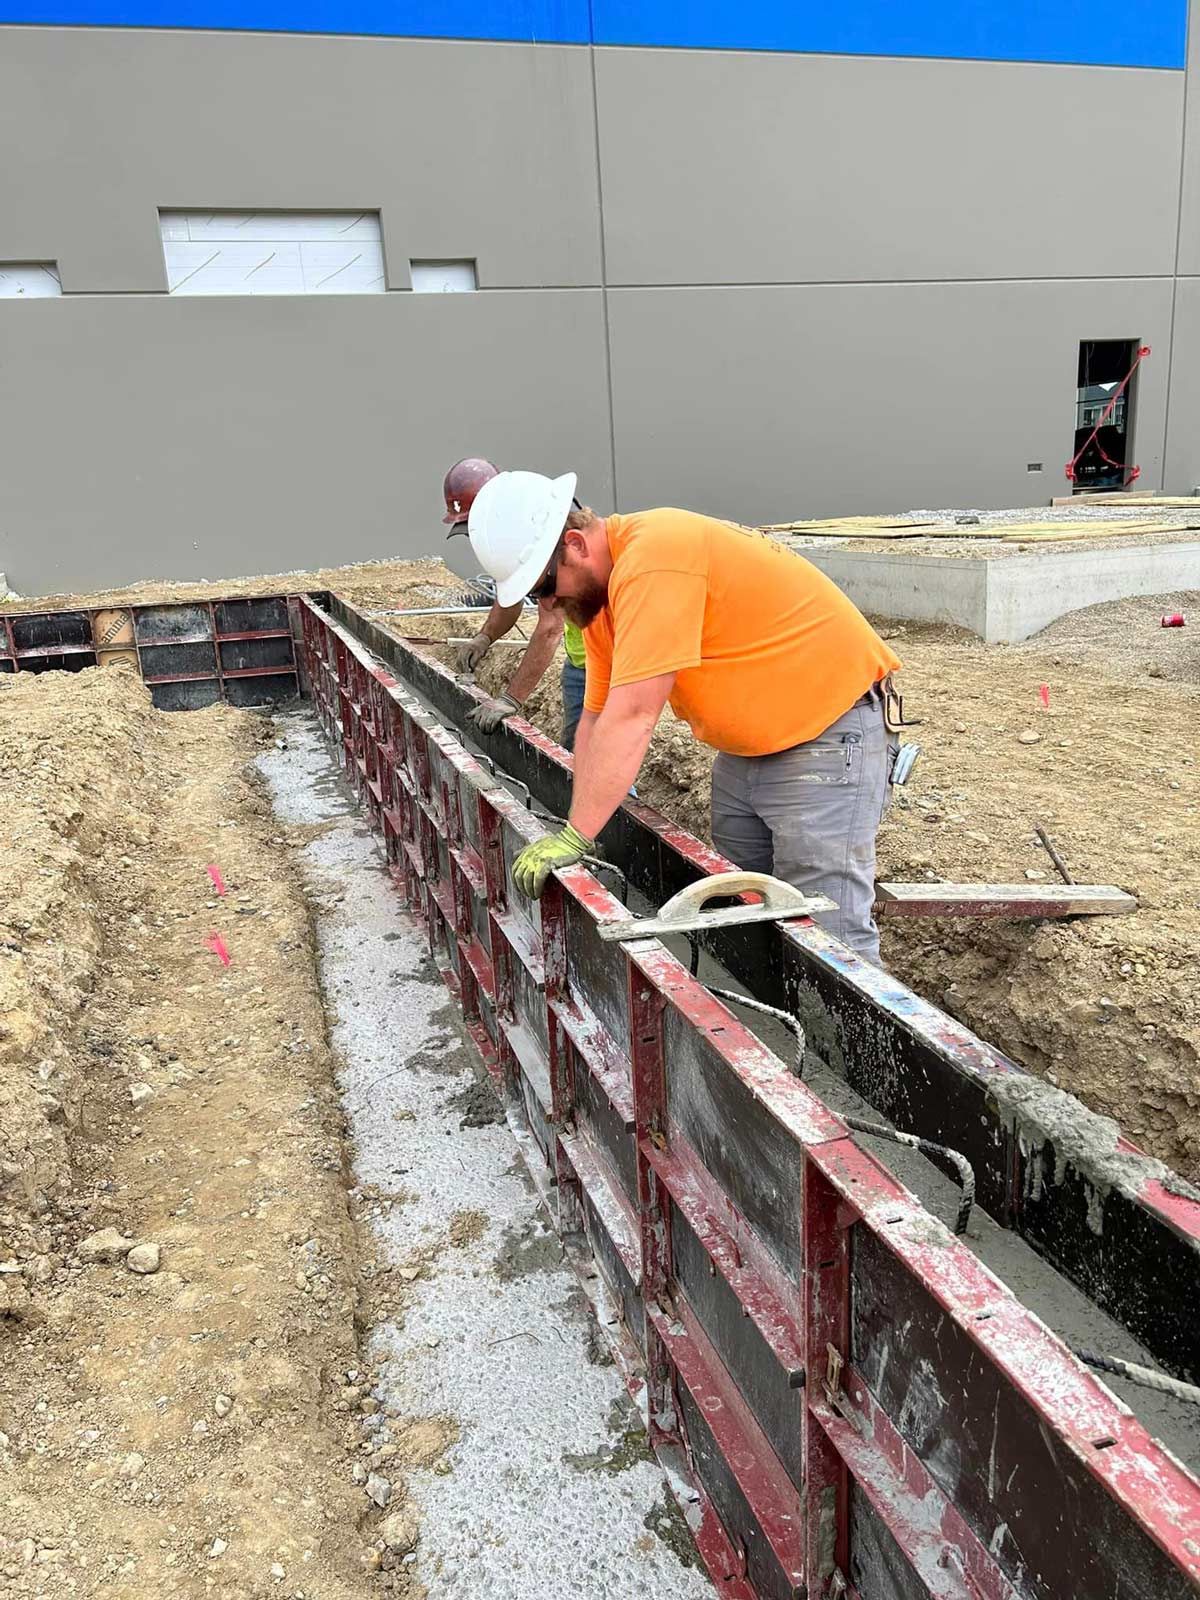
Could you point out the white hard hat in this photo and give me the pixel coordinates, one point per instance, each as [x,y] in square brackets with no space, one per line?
[515,523]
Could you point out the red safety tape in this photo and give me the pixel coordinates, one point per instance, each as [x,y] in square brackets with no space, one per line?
[1044,691]
[1134,472]
[216,944]
[217,880]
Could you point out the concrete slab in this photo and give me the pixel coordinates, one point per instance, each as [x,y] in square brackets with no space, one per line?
[1002,593]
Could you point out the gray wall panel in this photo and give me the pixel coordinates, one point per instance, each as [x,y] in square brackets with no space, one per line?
[1183,434]
[198,436]
[484,150]
[768,404]
[213,437]
[1189,211]
[727,167]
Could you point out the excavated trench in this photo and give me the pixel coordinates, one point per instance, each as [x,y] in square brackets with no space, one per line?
[351,1357]
[480,1362]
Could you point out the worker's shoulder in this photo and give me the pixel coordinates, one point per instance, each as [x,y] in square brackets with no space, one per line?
[664,536]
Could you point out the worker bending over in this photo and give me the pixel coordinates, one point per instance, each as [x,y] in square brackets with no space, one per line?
[459,488]
[758,651]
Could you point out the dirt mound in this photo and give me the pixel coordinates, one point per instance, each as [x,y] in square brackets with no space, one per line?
[380,583]
[1107,1007]
[71,812]
[177,1264]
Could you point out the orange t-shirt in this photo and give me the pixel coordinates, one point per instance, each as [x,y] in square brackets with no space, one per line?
[767,650]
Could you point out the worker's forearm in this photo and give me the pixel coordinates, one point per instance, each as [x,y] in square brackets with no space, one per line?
[583,734]
[499,620]
[606,765]
[538,655]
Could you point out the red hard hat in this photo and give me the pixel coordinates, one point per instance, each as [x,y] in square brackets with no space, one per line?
[462,483]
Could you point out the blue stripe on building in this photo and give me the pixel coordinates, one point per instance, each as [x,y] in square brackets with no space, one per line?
[529,21]
[1130,33]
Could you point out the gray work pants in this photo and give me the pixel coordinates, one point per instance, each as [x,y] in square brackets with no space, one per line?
[809,815]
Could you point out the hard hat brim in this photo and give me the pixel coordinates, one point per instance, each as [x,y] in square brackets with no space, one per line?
[514,588]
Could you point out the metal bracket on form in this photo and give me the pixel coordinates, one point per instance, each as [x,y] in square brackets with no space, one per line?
[684,912]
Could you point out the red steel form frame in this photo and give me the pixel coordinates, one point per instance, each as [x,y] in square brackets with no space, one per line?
[428,796]
[219,675]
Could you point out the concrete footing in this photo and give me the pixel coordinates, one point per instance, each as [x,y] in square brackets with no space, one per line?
[1004,597]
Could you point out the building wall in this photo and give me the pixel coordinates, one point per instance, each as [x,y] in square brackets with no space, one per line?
[717,264]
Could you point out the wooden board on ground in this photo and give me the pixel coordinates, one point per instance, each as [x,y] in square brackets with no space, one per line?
[840,524]
[1037,533]
[1008,532]
[852,530]
[1119,498]
[1001,900]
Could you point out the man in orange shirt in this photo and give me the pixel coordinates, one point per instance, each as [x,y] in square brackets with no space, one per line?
[753,647]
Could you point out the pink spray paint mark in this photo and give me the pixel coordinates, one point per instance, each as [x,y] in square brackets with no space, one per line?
[1044,691]
[218,881]
[216,944]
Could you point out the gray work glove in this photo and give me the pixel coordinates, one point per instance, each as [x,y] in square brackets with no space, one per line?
[473,652]
[488,716]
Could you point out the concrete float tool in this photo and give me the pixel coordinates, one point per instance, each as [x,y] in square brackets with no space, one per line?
[684,912]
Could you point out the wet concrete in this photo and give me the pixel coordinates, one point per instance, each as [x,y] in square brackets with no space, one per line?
[1064,1308]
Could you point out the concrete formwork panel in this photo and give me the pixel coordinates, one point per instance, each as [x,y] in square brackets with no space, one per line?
[754,1273]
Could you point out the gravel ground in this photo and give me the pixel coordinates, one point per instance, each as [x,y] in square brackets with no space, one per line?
[513,1462]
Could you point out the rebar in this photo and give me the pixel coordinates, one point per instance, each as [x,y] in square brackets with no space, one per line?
[966,1173]
[1145,1376]
[790,1022]
[598,864]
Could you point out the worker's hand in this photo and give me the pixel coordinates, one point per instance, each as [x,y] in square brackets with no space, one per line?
[488,716]
[537,861]
[473,652]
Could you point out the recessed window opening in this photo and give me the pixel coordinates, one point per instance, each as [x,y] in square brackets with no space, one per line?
[273,252]
[1104,364]
[443,277]
[29,280]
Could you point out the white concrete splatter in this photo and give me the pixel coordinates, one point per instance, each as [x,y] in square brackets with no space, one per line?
[532,1503]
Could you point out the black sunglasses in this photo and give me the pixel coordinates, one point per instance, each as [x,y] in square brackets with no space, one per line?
[549,583]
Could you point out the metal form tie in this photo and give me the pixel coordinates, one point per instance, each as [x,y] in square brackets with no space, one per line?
[966,1173]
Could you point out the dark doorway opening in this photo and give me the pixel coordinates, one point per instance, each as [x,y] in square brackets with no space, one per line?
[1104,409]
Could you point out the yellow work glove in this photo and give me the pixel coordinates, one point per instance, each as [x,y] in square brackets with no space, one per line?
[537,861]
